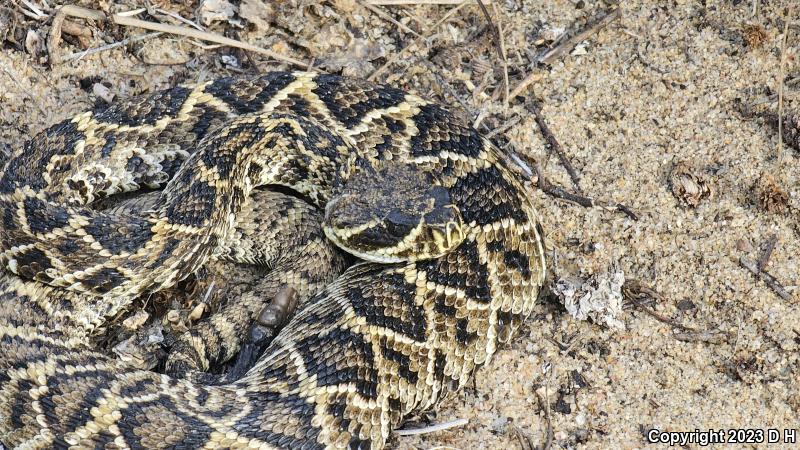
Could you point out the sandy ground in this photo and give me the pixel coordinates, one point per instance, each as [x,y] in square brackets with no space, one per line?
[666,82]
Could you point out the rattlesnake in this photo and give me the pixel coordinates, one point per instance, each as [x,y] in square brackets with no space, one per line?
[456,251]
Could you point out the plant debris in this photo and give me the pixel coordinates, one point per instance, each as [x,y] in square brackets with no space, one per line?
[598,298]
[754,35]
[770,196]
[688,185]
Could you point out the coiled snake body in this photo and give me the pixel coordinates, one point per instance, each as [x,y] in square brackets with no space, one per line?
[455,244]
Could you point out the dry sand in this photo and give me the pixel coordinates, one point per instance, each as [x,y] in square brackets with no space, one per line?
[666,82]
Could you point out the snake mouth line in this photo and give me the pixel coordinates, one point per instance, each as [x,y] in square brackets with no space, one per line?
[331,235]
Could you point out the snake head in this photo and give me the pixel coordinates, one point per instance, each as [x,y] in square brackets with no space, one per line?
[399,213]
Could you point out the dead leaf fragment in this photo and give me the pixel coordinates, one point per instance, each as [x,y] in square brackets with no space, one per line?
[256,12]
[135,321]
[354,60]
[34,44]
[100,90]
[771,197]
[599,297]
[754,35]
[197,312]
[688,185]
[211,11]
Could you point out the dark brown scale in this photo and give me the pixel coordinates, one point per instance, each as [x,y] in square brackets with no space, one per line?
[351,101]
[439,132]
[37,153]
[389,303]
[249,95]
[461,269]
[156,106]
[486,197]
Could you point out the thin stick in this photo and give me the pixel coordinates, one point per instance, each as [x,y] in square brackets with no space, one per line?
[652,313]
[123,20]
[493,28]
[766,277]
[498,32]
[209,291]
[567,45]
[523,439]
[54,37]
[432,428]
[33,8]
[384,15]
[552,142]
[83,13]
[132,12]
[416,41]
[586,202]
[391,61]
[710,337]
[80,55]
[780,87]
[30,14]
[515,120]
[533,76]
[180,18]
[766,252]
[60,24]
[635,291]
[546,402]
[24,91]
[203,35]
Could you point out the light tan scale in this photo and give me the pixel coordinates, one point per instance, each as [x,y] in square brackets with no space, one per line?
[452,250]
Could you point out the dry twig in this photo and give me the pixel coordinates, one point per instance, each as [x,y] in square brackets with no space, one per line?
[770,280]
[634,291]
[523,439]
[545,402]
[567,45]
[552,142]
[38,14]
[205,36]
[586,202]
[503,57]
[80,55]
[530,78]
[180,18]
[414,43]
[766,251]
[433,428]
[495,30]
[503,128]
[384,15]
[124,19]
[637,293]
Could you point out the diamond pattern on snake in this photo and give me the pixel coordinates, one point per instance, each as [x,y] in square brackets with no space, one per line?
[449,250]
